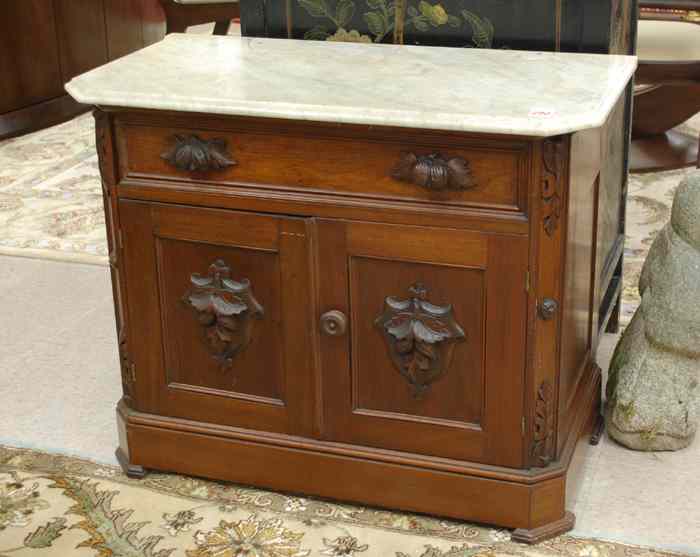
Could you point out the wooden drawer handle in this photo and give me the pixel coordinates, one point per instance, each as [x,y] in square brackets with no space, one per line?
[194,154]
[434,172]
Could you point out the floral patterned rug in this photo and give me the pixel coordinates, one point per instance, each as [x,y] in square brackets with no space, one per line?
[50,195]
[649,204]
[58,506]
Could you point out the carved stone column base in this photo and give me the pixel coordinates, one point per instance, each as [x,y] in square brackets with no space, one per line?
[551,530]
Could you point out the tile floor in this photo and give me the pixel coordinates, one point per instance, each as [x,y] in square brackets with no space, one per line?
[59,382]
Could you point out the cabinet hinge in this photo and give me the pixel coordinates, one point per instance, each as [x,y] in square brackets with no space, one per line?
[527,281]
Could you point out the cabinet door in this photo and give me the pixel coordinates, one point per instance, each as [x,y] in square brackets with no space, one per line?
[423,339]
[219,316]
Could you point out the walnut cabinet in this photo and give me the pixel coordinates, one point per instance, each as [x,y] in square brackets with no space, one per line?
[397,317]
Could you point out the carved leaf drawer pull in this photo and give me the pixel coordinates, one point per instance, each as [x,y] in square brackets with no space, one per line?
[420,337]
[225,309]
[434,172]
[194,154]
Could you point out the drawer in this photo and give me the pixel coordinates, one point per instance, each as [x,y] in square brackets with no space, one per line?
[441,168]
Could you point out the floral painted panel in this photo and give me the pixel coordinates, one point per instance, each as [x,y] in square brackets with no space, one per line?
[387,20]
[460,23]
[569,25]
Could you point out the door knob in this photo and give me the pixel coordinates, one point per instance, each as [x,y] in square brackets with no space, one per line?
[334,323]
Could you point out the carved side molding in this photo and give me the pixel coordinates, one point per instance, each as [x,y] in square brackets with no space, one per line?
[225,309]
[542,450]
[420,337]
[194,154]
[552,170]
[434,172]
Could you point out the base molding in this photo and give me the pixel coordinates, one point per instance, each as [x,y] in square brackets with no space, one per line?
[532,501]
[551,530]
[39,116]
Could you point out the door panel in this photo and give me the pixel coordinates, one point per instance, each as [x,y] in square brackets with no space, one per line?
[455,397]
[224,305]
[432,361]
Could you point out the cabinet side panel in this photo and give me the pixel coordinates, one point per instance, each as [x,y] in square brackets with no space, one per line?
[579,272]
[611,210]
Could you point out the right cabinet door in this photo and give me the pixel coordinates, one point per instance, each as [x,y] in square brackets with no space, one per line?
[423,339]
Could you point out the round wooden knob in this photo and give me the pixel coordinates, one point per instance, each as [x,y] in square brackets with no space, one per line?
[334,323]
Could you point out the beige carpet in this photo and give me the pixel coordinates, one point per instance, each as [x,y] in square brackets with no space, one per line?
[56,506]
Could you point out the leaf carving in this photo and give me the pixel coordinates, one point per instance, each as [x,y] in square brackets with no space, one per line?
[191,153]
[225,309]
[543,434]
[434,172]
[552,162]
[420,337]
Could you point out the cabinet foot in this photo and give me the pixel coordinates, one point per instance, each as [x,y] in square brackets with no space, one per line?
[551,530]
[131,470]
[598,430]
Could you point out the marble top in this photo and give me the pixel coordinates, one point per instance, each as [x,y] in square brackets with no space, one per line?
[472,90]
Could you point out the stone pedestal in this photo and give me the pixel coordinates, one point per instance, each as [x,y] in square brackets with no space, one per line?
[652,390]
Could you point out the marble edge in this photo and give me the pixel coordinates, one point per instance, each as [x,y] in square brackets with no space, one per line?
[442,121]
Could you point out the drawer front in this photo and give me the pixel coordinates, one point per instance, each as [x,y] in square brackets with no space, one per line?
[439,168]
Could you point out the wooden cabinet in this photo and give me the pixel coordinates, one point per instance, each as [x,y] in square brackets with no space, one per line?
[424,322]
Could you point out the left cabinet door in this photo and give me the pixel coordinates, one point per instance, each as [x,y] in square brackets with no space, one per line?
[219,309]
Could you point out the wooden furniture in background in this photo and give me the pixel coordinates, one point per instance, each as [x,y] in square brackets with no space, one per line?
[670,10]
[45,43]
[181,14]
[399,316]
[668,86]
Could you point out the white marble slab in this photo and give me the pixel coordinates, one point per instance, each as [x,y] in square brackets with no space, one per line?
[492,91]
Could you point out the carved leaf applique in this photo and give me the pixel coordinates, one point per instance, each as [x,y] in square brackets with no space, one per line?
[543,434]
[420,337]
[194,154]
[225,309]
